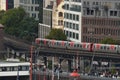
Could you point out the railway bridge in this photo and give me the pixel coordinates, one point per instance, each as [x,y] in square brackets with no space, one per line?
[74,58]
[20,48]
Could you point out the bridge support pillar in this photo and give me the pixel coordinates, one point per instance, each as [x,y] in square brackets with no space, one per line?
[45,60]
[14,55]
[8,52]
[69,65]
[60,60]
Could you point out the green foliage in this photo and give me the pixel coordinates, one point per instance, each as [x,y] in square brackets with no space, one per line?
[18,24]
[13,16]
[109,41]
[1,14]
[28,28]
[56,34]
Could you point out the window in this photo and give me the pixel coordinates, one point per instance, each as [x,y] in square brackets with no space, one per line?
[113,13]
[60,14]
[60,22]
[77,36]
[77,17]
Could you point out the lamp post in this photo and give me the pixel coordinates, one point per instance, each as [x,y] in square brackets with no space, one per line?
[53,68]
[31,55]
[92,55]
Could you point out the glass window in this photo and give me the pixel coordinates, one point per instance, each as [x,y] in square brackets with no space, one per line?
[77,17]
[60,14]
[31,8]
[77,36]
[70,16]
[70,34]
[73,16]
[73,35]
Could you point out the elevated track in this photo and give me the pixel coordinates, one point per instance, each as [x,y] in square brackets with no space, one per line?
[24,47]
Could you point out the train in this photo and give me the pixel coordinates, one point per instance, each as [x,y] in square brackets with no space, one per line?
[82,46]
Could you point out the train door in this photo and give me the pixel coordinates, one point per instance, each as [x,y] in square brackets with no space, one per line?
[91,47]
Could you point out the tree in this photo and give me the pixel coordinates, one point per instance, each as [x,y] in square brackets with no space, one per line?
[28,28]
[17,23]
[13,16]
[56,34]
[1,14]
[109,41]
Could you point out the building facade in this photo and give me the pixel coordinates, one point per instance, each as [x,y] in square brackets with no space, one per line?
[58,14]
[72,19]
[47,12]
[6,4]
[31,7]
[45,26]
[100,19]
[43,30]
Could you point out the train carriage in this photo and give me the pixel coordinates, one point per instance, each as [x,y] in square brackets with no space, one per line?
[79,46]
[105,48]
[58,44]
[42,42]
[119,49]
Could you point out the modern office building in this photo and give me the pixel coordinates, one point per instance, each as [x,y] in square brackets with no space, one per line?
[45,26]
[72,19]
[6,4]
[43,30]
[31,7]
[47,12]
[40,11]
[100,19]
[53,16]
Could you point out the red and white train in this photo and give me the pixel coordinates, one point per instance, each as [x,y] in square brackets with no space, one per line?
[107,48]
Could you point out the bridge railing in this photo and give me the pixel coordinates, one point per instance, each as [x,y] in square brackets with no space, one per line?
[17,39]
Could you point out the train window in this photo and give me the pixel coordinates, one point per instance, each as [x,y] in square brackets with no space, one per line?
[108,48]
[101,47]
[4,69]
[41,42]
[77,45]
[47,42]
[23,68]
[58,44]
[20,68]
[15,68]
[69,44]
[80,46]
[115,48]
[65,44]
[12,68]
[94,47]
[55,43]
[8,68]
[27,67]
[87,46]
[105,47]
